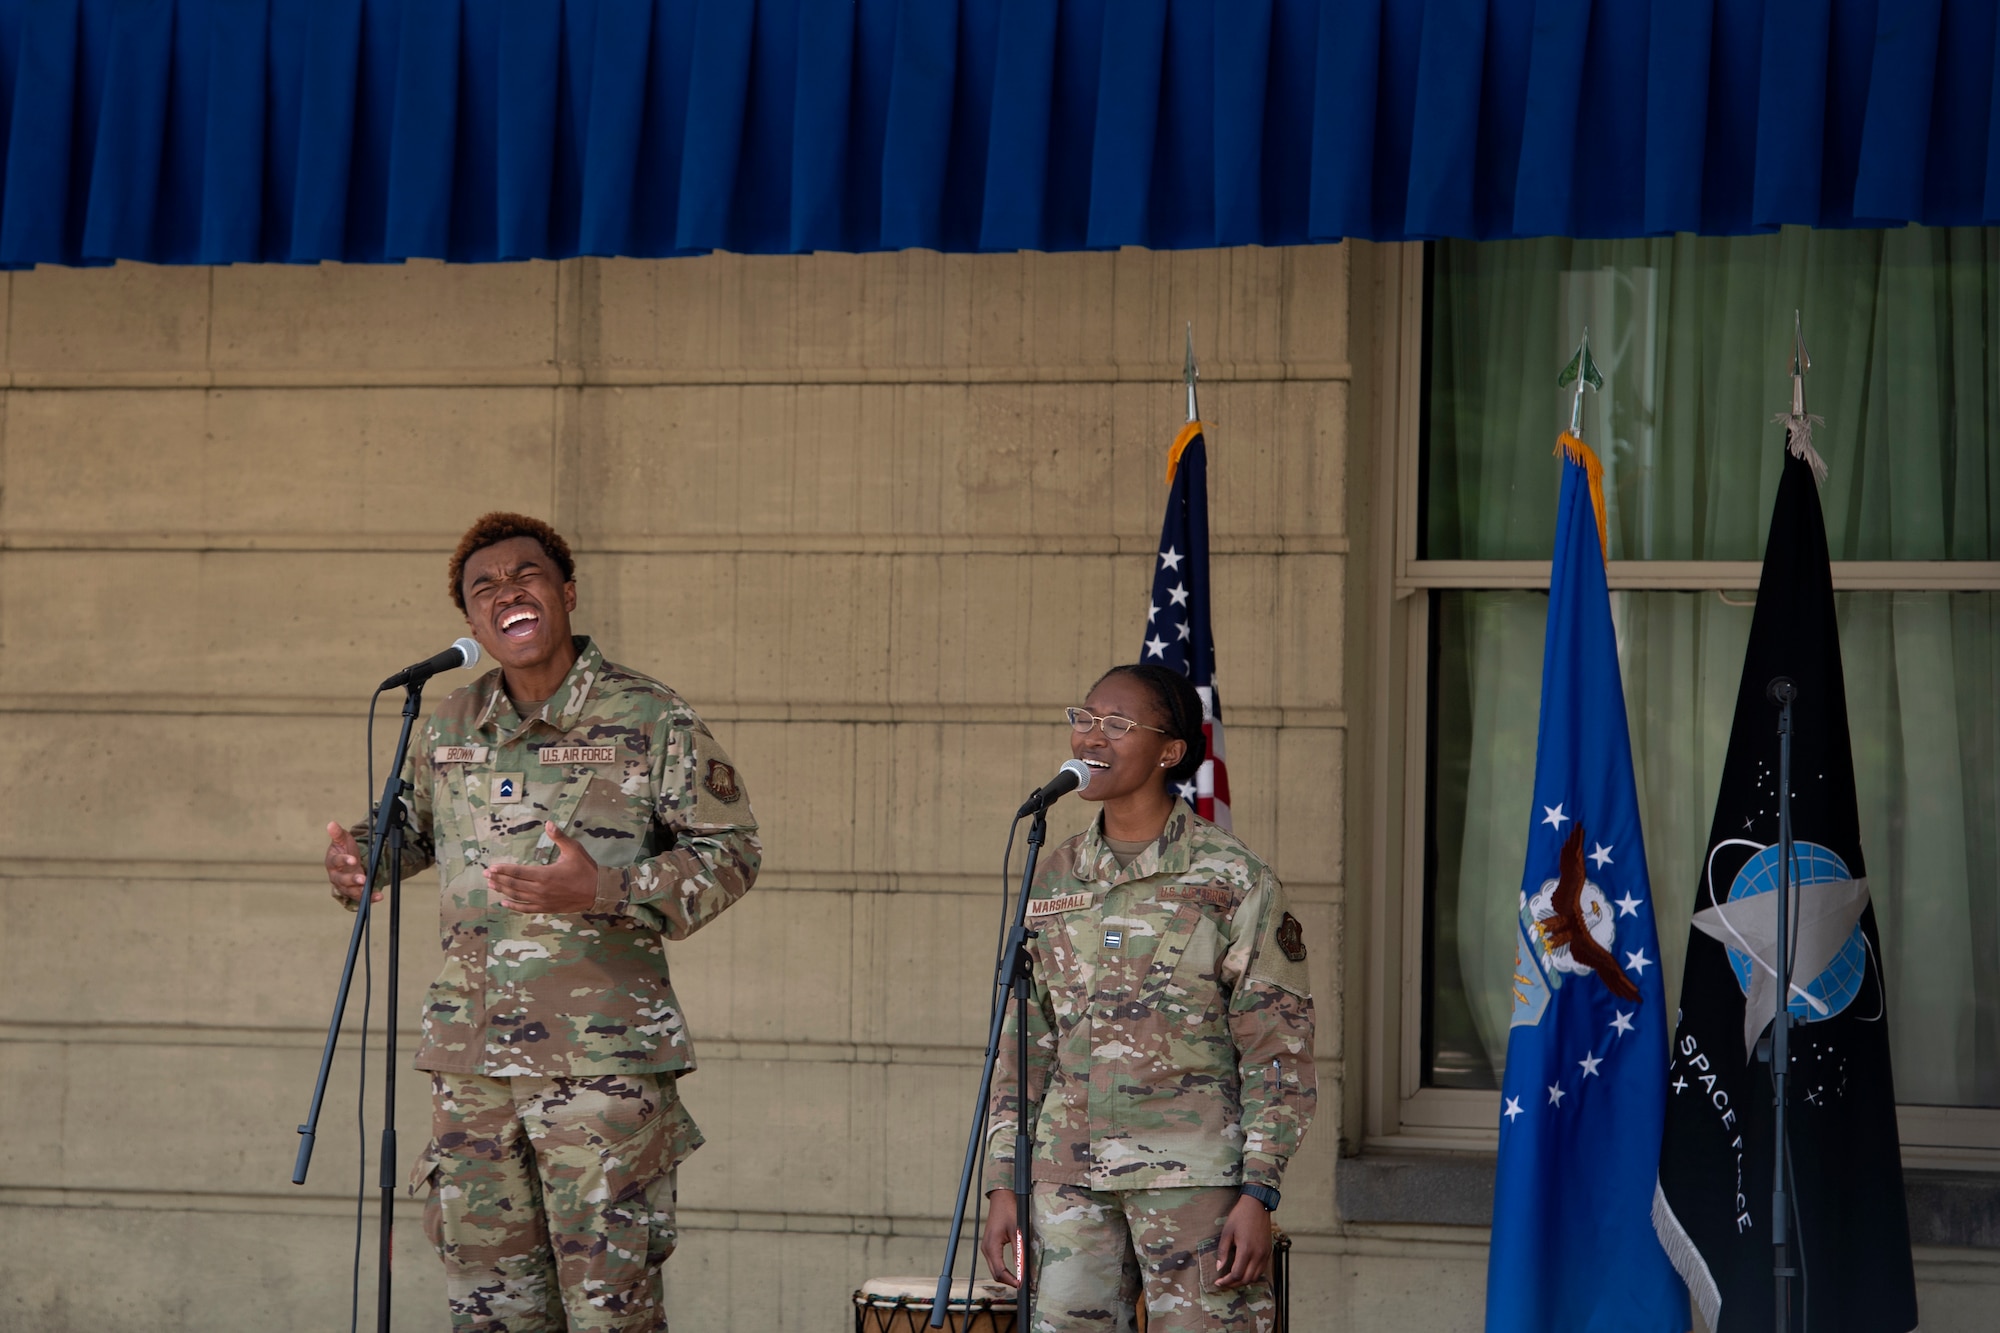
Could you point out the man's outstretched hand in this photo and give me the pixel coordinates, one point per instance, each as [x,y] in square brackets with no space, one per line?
[345,870]
[567,884]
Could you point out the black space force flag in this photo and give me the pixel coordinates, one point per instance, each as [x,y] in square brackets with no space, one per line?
[1850,1243]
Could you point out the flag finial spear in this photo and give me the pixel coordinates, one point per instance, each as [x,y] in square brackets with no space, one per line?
[1584,372]
[1801,363]
[1799,423]
[1190,374]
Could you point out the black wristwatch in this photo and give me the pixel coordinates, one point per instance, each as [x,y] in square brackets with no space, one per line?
[1263,1194]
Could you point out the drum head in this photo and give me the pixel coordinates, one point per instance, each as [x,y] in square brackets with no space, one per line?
[903,1305]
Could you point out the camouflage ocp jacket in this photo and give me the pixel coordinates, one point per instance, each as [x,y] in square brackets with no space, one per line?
[1170,1034]
[621,764]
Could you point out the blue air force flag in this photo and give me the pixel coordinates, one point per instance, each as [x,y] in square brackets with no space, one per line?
[1583,1099]
[1177,630]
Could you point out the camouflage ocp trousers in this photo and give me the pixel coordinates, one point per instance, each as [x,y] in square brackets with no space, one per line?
[552,1199]
[1097,1252]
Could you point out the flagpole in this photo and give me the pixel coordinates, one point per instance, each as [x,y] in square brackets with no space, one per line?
[1782,692]
[1190,374]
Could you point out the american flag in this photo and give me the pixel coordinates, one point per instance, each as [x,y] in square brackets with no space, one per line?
[1177,630]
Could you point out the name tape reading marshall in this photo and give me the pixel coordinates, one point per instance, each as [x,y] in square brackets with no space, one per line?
[1069,902]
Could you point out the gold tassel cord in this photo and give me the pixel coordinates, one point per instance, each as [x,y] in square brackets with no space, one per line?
[1576,451]
[1188,432]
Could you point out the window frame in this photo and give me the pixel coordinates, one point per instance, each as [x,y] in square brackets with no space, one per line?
[1390,589]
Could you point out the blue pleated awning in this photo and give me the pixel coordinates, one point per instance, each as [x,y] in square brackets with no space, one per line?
[221,131]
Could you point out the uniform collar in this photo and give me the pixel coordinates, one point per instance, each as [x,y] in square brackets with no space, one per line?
[1165,855]
[560,710]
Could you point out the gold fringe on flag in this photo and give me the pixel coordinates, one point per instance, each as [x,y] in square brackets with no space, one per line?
[1188,432]
[1576,451]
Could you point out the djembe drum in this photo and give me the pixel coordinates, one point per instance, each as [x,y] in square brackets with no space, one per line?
[903,1305]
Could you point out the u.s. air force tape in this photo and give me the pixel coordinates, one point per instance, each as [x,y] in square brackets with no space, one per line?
[578,754]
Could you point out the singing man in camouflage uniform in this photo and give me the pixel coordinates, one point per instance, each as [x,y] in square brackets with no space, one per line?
[1170,1044]
[579,815]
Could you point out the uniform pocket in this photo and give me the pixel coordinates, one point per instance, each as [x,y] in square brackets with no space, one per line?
[424,1178]
[1159,985]
[609,1188]
[1205,1263]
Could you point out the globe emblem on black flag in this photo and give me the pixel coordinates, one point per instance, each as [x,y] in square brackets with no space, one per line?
[1836,985]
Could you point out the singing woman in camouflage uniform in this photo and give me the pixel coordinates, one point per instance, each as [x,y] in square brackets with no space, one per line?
[1170,1057]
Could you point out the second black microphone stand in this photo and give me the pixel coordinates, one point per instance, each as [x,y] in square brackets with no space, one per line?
[1017,975]
[1783,692]
[385,836]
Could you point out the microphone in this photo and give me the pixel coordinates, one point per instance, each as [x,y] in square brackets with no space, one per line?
[1072,776]
[1781,691]
[465,652]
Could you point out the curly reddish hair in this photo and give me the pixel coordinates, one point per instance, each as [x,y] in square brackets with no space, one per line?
[500,526]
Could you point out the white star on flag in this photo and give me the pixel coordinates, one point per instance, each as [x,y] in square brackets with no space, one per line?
[1638,962]
[1628,905]
[1157,646]
[1183,627]
[1601,855]
[1553,816]
[1590,1064]
[1513,1109]
[1170,558]
[1179,594]
[1151,611]
[1555,1094]
[1623,1022]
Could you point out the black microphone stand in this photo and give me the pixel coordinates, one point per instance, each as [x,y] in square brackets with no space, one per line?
[1782,692]
[1017,975]
[385,834]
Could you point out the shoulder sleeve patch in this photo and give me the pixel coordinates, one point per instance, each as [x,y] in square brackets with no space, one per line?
[720,779]
[1281,954]
[707,790]
[1292,938]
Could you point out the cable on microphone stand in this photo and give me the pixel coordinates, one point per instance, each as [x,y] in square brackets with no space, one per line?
[361,1092]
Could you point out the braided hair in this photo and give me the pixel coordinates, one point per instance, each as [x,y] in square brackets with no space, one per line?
[1175,696]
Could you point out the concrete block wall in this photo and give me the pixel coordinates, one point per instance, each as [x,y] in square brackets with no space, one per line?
[877,517]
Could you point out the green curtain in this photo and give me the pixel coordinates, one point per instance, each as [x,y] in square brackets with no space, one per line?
[1694,338]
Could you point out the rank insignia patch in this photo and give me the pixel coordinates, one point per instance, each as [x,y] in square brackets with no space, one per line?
[1292,938]
[508,789]
[721,782]
[1114,939]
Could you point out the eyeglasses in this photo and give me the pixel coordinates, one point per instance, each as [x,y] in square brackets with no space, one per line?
[1081,720]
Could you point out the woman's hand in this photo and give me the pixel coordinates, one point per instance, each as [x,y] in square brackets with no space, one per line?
[1243,1254]
[1003,1230]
